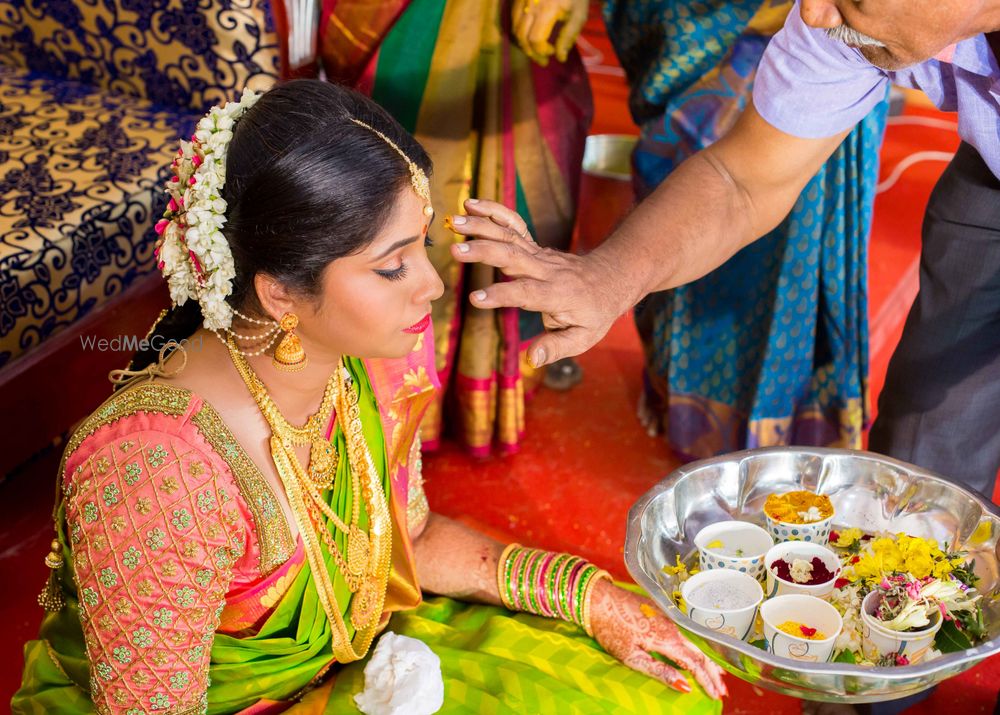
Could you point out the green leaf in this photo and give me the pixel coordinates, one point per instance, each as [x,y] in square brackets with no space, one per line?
[846,656]
[973,624]
[951,640]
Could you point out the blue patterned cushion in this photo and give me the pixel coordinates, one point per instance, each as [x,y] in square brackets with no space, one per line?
[81,174]
[179,53]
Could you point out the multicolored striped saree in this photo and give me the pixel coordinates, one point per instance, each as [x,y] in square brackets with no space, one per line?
[496,126]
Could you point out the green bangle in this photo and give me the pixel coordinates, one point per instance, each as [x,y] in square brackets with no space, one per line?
[588,573]
[550,584]
[536,562]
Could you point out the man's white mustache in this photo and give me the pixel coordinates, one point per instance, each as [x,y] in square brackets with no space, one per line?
[850,36]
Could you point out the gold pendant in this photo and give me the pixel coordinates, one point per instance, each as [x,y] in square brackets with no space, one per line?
[358,551]
[322,463]
[363,605]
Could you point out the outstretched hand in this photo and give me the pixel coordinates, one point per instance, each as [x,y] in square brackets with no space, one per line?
[630,628]
[579,297]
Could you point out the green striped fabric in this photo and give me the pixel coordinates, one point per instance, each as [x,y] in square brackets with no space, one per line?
[494,661]
[404,61]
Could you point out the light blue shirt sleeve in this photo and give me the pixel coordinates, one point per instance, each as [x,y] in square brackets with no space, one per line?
[811,86]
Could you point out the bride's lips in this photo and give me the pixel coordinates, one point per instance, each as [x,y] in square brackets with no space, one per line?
[420,326]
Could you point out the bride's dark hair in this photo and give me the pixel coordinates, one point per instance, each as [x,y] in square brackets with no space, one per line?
[304,186]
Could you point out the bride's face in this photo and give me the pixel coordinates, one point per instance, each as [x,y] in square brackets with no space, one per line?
[377,303]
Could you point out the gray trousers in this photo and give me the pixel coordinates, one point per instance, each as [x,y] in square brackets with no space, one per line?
[940,408]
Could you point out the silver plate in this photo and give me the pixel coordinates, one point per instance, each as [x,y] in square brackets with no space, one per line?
[871,492]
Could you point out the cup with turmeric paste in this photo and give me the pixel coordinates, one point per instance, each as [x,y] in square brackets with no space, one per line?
[799,516]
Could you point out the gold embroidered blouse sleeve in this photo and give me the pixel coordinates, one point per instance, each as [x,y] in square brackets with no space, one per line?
[162,509]
[155,532]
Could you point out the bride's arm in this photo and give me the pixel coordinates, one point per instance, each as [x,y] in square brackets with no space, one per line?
[454,560]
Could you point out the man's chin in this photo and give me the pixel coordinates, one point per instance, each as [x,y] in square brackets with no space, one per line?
[883,59]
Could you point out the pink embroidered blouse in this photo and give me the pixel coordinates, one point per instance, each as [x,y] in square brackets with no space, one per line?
[176,535]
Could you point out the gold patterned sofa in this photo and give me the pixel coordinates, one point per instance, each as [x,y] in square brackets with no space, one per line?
[94,95]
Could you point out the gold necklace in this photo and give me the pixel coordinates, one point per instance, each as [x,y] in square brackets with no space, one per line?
[290,436]
[322,456]
[369,555]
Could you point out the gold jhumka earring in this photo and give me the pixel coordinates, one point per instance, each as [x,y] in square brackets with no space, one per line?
[289,355]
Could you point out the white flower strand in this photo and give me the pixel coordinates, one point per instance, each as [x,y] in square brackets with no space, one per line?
[193,254]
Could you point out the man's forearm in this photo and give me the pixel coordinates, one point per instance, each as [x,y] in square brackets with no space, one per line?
[692,223]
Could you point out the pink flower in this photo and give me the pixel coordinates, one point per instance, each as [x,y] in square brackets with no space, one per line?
[196,160]
[175,179]
[195,261]
[191,181]
[885,585]
[161,226]
[172,205]
[902,660]
[160,265]
[913,590]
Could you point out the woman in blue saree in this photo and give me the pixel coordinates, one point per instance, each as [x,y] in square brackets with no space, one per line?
[772,347]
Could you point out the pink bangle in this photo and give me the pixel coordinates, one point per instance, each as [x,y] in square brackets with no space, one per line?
[574,577]
[541,593]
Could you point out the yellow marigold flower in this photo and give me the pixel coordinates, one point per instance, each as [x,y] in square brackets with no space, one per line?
[868,567]
[919,566]
[941,569]
[887,555]
[717,544]
[847,537]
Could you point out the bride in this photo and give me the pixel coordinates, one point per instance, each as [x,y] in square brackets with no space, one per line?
[239,522]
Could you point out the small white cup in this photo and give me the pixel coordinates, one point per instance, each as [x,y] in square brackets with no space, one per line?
[735,622]
[878,641]
[750,538]
[800,608]
[818,532]
[789,551]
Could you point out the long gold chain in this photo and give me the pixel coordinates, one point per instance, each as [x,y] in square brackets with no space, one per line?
[368,561]
[289,437]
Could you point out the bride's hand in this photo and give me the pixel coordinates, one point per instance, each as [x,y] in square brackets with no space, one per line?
[630,627]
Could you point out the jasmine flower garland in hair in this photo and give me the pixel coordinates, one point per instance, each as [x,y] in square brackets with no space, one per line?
[192,252]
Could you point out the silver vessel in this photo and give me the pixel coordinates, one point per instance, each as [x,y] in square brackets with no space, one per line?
[868,491]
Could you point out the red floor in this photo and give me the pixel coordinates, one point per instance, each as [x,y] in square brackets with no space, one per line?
[585,459]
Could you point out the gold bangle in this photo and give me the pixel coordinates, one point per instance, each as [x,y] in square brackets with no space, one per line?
[503,579]
[587,596]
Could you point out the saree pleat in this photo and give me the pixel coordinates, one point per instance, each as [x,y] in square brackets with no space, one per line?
[497,127]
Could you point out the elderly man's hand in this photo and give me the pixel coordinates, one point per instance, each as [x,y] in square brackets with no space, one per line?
[579,297]
[533,22]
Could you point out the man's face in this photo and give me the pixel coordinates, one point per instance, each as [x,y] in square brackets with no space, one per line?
[893,34]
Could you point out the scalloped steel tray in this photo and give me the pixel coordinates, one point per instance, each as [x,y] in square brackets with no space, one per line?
[869,491]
